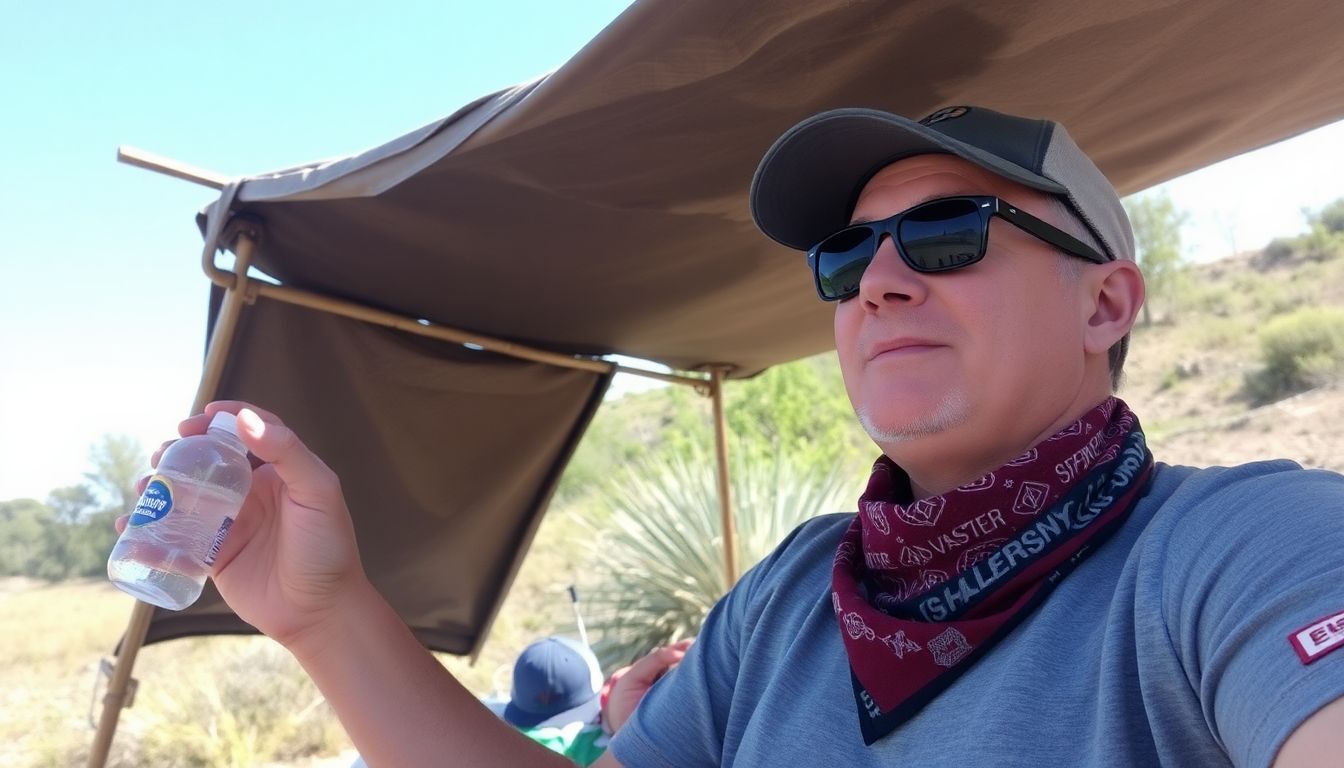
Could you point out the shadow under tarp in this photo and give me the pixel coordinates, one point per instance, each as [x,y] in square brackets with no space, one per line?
[446,457]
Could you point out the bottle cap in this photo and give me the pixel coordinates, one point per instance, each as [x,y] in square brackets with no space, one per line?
[225,421]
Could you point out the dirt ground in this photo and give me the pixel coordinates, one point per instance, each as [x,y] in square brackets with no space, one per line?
[1186,373]
[1308,428]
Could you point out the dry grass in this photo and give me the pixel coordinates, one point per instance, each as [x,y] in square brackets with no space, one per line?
[207,702]
[55,636]
[214,702]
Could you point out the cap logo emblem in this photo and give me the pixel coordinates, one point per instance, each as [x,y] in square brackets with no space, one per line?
[946,113]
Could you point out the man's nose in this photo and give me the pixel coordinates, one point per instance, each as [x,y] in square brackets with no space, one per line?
[889,281]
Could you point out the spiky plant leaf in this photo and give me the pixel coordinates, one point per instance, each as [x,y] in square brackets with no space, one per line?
[657,546]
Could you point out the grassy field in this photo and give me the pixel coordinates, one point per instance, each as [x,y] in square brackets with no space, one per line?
[209,702]
[223,702]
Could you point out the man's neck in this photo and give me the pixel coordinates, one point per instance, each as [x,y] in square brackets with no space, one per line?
[940,463]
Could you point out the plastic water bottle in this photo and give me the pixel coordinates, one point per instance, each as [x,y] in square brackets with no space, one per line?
[179,524]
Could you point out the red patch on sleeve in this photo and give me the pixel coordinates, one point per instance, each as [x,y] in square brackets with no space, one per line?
[1318,638]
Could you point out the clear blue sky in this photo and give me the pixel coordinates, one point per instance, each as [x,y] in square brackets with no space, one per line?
[102,302]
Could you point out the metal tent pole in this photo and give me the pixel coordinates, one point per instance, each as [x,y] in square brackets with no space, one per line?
[225,279]
[138,626]
[728,526]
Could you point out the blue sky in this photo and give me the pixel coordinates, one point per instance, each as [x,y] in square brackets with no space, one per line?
[102,302]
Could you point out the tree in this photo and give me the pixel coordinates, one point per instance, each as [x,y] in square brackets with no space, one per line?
[799,409]
[117,463]
[72,504]
[1157,234]
[1330,218]
[69,551]
[72,533]
[23,536]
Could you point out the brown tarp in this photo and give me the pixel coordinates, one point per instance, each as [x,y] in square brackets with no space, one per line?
[418,431]
[603,209]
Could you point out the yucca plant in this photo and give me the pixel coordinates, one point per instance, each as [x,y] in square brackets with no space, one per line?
[657,548]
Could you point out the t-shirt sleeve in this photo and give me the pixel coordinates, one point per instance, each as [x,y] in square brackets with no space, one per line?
[1249,565]
[682,720]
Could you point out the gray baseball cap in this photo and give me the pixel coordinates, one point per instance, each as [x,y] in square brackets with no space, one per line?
[807,183]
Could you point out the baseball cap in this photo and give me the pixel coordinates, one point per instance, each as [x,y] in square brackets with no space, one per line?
[808,182]
[556,681]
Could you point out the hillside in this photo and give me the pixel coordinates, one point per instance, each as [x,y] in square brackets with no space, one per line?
[1186,375]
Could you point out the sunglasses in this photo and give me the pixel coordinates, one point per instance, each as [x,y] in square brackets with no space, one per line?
[937,236]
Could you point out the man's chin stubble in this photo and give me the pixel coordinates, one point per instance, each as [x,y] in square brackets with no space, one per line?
[950,412]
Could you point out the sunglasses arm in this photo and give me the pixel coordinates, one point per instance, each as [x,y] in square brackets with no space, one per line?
[1047,232]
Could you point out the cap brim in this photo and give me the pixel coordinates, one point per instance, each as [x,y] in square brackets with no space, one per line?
[810,178]
[586,712]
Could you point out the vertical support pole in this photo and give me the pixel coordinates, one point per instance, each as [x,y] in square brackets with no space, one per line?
[138,626]
[728,526]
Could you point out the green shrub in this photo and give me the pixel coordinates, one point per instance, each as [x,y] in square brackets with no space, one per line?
[1299,351]
[1272,298]
[1321,243]
[799,408]
[1331,217]
[1280,249]
[1318,243]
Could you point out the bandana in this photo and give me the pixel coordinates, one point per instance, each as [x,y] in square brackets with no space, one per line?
[922,590]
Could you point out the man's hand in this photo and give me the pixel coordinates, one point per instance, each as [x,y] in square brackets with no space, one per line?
[634,681]
[289,567]
[290,557]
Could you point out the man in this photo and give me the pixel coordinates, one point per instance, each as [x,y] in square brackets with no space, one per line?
[1021,584]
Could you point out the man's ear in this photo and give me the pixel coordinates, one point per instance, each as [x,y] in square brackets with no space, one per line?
[1116,293]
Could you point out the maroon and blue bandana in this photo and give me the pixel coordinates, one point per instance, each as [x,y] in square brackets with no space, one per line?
[922,589]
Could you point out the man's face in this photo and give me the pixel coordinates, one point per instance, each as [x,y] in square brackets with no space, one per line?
[965,362]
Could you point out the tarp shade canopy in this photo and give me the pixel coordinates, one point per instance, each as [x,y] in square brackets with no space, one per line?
[603,209]
[445,455]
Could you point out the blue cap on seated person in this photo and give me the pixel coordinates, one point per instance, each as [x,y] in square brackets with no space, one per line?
[556,682]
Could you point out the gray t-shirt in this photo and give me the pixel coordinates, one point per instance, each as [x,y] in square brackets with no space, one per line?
[1168,646]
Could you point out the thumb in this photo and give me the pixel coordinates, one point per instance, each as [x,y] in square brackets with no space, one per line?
[309,481]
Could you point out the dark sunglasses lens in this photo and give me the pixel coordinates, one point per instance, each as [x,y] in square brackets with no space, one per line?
[943,235]
[841,259]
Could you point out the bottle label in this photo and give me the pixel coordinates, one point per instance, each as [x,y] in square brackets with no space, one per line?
[218,541]
[155,503]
